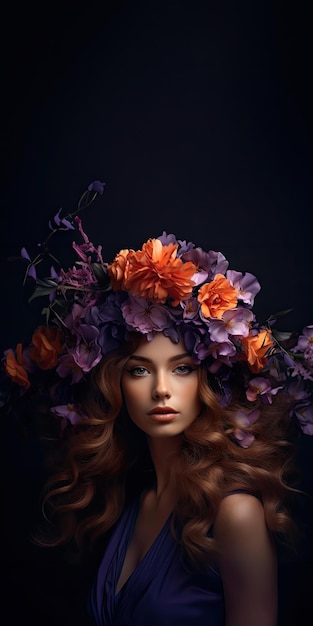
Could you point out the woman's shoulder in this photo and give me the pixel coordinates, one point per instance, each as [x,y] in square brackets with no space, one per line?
[246,560]
[238,510]
[240,525]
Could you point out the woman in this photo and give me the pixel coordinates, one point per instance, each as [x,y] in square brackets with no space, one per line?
[143,576]
[177,415]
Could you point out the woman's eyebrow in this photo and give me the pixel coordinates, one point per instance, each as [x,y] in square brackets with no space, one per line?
[177,357]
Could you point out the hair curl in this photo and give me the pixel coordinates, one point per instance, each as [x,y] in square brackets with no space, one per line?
[105,460]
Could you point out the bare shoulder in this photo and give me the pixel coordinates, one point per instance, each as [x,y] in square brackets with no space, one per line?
[239,512]
[241,529]
[247,561]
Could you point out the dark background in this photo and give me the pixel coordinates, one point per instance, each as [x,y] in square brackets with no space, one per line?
[198,116]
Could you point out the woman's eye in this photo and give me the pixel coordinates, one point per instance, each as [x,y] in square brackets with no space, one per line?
[184,369]
[138,371]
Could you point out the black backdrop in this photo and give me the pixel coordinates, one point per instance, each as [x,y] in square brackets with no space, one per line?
[198,116]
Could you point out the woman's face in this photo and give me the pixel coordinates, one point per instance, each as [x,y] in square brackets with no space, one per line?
[160,387]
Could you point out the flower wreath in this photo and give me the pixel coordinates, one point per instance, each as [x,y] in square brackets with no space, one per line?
[168,286]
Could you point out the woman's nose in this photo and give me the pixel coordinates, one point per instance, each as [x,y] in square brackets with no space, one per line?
[161,387]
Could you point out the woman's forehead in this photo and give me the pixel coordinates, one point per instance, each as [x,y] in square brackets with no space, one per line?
[160,346]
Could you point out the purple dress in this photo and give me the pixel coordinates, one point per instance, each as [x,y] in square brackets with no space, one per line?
[161,590]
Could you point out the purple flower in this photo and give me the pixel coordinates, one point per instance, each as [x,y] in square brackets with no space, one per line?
[172,333]
[60,223]
[31,270]
[112,336]
[144,316]
[109,319]
[87,352]
[108,311]
[222,352]
[196,338]
[190,310]
[304,414]
[305,340]
[97,186]
[68,413]
[235,322]
[246,284]
[202,261]
[68,367]
[260,386]
[183,246]
[300,369]
[274,369]
[218,331]
[297,390]
[55,280]
[166,239]
[238,321]
[219,263]
[75,318]
[305,345]
[244,420]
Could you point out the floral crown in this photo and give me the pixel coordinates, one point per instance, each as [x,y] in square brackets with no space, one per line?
[169,286]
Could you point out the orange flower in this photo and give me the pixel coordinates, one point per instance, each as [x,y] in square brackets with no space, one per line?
[14,367]
[256,349]
[155,272]
[47,345]
[217,297]
[118,270]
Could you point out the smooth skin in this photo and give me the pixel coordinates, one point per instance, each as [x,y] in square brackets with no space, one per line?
[161,374]
[248,562]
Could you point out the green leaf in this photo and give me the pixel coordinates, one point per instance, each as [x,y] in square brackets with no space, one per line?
[46,311]
[41,291]
[281,335]
[279,314]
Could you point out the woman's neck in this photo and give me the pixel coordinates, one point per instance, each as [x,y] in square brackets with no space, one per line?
[163,452]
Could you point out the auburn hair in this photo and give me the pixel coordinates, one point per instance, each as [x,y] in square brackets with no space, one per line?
[104,461]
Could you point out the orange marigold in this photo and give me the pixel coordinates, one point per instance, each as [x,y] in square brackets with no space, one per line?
[14,367]
[118,270]
[217,297]
[256,349]
[47,345]
[155,272]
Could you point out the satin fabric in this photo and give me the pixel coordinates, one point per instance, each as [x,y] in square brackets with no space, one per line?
[162,590]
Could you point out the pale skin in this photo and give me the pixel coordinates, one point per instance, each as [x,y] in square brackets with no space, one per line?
[161,374]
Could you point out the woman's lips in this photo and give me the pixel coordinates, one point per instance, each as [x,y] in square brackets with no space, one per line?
[163,414]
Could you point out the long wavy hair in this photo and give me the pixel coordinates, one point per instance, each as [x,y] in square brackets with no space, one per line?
[104,461]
